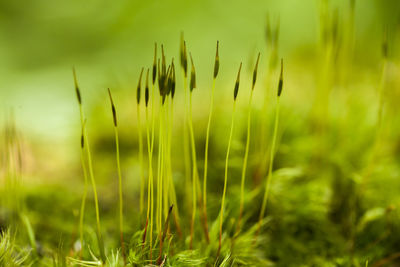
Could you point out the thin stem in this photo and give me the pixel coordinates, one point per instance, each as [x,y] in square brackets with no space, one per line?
[151,179]
[186,151]
[246,155]
[160,169]
[271,163]
[84,169]
[167,158]
[121,218]
[149,182]
[96,201]
[172,193]
[194,172]
[206,150]
[142,180]
[221,216]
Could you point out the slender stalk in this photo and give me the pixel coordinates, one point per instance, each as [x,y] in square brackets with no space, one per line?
[244,168]
[149,155]
[91,174]
[221,213]
[121,218]
[216,69]
[271,161]
[167,159]
[186,149]
[150,176]
[142,179]
[172,191]
[160,168]
[206,161]
[96,200]
[246,153]
[194,172]
[206,147]
[151,179]
[84,169]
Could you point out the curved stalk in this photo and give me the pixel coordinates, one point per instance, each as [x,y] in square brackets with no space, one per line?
[221,216]
[271,163]
[244,168]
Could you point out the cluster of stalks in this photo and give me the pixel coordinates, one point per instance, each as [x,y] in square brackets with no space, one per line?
[161,204]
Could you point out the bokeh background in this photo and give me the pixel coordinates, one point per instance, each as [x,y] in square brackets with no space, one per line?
[108,42]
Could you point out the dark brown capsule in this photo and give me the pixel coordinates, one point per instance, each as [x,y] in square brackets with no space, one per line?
[163,61]
[113,108]
[160,78]
[139,86]
[280,84]
[168,81]
[236,90]
[155,63]
[173,82]
[255,72]
[216,64]
[78,92]
[146,90]
[82,141]
[183,55]
[192,75]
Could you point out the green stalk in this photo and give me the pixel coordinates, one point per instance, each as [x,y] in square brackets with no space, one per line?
[160,168]
[246,153]
[142,180]
[271,162]
[91,174]
[172,191]
[194,172]
[150,145]
[121,218]
[96,200]
[221,213]
[167,159]
[206,148]
[149,155]
[84,188]
[186,152]
[151,179]
[206,163]
[244,168]
[216,69]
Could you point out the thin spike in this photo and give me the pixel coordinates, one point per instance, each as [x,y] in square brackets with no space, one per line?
[113,108]
[236,90]
[192,75]
[216,64]
[155,64]
[146,90]
[255,72]
[280,84]
[138,91]
[78,92]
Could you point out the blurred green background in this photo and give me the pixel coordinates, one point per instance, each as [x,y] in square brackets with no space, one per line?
[108,42]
